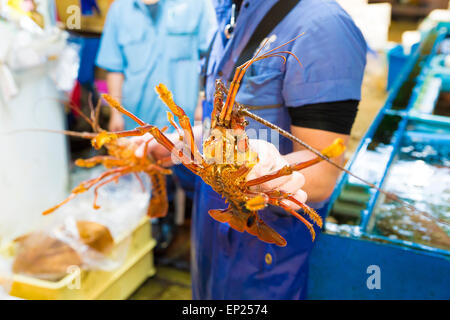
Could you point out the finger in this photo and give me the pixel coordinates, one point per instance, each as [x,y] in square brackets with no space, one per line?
[140,151]
[294,182]
[140,139]
[275,183]
[300,196]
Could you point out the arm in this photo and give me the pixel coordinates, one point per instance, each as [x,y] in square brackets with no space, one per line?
[114,81]
[319,125]
[320,179]
[324,94]
[111,59]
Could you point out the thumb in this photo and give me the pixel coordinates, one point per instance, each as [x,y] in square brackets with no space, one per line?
[140,151]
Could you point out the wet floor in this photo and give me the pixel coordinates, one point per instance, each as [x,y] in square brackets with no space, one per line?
[172,280]
[169,283]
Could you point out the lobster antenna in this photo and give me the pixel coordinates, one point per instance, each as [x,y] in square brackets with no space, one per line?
[113,103]
[85,117]
[98,108]
[83,135]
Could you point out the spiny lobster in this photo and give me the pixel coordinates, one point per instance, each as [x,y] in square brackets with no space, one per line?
[227,159]
[120,161]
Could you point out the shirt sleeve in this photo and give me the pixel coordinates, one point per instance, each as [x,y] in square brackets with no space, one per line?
[332,53]
[337,116]
[207,27]
[110,56]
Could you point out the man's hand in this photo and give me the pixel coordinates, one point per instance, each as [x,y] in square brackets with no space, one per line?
[116,122]
[271,160]
[156,150]
[114,82]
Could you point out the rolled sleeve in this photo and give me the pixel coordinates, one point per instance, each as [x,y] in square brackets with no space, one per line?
[333,56]
[110,56]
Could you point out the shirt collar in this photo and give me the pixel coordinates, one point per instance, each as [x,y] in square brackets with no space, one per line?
[141,5]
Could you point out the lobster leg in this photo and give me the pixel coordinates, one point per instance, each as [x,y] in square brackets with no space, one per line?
[86,185]
[278,203]
[219,94]
[154,168]
[166,97]
[108,161]
[333,150]
[83,187]
[224,117]
[312,214]
[140,181]
[113,178]
[158,205]
[70,197]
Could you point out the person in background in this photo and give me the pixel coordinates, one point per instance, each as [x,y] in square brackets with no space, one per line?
[317,102]
[147,42]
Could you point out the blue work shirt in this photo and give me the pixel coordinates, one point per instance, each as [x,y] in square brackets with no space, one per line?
[228,264]
[150,51]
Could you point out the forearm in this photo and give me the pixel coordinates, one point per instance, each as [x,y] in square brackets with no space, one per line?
[114,81]
[320,178]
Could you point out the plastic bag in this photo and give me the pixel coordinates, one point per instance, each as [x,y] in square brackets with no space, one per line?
[30,50]
[81,237]
[52,254]
[64,71]
[122,204]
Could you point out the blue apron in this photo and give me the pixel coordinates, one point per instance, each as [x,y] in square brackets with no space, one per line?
[227,264]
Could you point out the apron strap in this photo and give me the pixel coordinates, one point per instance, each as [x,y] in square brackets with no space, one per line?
[272,18]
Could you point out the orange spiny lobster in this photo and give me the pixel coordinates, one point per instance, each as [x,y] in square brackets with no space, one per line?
[227,159]
[120,161]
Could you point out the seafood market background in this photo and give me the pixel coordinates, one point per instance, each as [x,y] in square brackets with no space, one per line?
[400,142]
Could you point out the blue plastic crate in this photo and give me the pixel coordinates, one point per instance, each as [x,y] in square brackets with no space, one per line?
[396,63]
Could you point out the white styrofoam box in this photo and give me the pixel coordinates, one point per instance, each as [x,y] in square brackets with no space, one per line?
[348,5]
[409,38]
[434,17]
